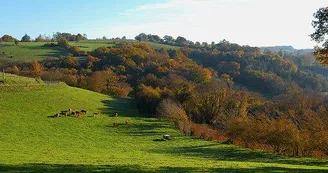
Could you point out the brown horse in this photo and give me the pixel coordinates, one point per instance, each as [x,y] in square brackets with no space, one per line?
[116,124]
[64,113]
[79,115]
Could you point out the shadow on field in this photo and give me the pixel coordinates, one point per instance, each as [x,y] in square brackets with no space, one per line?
[38,168]
[124,107]
[57,51]
[148,129]
[238,154]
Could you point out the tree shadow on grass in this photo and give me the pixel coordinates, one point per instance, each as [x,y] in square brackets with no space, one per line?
[148,129]
[273,169]
[232,153]
[54,168]
[123,106]
[56,51]
[156,128]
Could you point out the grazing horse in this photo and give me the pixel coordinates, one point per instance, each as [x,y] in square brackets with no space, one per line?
[115,124]
[64,113]
[79,115]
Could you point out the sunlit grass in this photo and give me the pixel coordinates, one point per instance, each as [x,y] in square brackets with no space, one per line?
[32,141]
[28,51]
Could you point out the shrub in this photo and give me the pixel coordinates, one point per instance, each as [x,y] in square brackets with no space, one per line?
[173,111]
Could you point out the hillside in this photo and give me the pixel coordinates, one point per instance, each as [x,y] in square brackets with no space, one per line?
[32,141]
[28,51]
[14,80]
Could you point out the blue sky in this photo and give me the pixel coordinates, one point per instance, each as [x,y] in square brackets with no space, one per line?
[246,22]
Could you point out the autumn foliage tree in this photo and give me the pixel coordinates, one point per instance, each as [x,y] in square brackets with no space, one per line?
[36,68]
[320,34]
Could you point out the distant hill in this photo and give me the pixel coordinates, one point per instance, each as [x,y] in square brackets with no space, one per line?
[289,49]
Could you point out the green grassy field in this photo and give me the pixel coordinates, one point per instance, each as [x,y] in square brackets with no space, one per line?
[33,141]
[92,45]
[164,46]
[27,51]
[12,79]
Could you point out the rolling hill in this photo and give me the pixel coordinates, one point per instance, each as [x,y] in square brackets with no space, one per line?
[31,140]
[28,51]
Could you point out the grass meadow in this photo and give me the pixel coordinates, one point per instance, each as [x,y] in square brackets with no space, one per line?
[31,140]
[28,51]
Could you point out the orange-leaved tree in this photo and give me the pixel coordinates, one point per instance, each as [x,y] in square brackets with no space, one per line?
[36,68]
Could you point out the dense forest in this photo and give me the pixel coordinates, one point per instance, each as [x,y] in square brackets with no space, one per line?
[268,99]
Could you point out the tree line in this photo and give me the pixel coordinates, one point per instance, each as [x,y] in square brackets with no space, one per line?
[45,38]
[169,40]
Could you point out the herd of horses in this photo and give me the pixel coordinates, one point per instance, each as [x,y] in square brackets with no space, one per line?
[71,113]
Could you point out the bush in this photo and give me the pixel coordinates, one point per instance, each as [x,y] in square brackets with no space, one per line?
[173,111]
[62,42]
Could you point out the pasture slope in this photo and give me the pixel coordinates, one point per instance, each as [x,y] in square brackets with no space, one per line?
[32,141]
[28,51]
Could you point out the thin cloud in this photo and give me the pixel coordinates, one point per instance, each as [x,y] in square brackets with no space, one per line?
[253,22]
[170,4]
